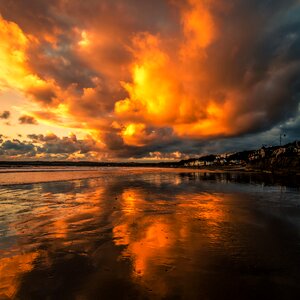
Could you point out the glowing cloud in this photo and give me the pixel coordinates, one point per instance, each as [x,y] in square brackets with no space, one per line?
[139,83]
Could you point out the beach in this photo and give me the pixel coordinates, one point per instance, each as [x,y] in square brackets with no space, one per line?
[136,233]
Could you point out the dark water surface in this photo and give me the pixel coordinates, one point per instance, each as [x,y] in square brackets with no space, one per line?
[151,235]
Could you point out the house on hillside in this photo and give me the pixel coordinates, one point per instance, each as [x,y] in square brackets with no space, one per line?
[236,162]
[220,160]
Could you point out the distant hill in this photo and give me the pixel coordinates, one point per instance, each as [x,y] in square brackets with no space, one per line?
[275,158]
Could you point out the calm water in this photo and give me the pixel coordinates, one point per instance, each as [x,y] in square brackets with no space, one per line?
[150,234]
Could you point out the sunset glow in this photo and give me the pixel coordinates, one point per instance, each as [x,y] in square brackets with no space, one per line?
[189,79]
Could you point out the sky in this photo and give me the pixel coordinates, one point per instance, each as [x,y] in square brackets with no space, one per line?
[126,80]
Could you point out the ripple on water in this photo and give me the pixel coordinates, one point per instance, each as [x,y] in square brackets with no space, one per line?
[149,234]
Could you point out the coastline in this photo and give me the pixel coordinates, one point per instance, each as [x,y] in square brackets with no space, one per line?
[35,175]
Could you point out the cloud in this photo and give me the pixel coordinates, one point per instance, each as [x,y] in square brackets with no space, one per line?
[12,148]
[190,76]
[43,94]
[5,115]
[50,146]
[291,128]
[24,119]
[201,100]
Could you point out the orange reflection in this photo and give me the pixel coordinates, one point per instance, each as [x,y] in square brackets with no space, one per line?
[149,244]
[206,207]
[153,230]
[151,241]
[11,270]
[59,224]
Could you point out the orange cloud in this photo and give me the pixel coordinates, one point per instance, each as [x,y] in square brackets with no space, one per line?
[15,72]
[198,26]
[164,92]
[12,56]
[193,71]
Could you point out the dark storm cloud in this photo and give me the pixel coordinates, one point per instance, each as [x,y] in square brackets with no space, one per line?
[47,16]
[260,57]
[153,138]
[166,145]
[119,15]
[253,63]
[5,115]
[291,129]
[36,16]
[60,61]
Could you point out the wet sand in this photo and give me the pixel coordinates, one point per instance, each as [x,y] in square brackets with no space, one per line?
[122,233]
[11,176]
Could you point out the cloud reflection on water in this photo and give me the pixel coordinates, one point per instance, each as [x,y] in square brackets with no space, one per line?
[158,234]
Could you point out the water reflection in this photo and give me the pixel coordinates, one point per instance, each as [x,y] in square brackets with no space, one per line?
[186,235]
